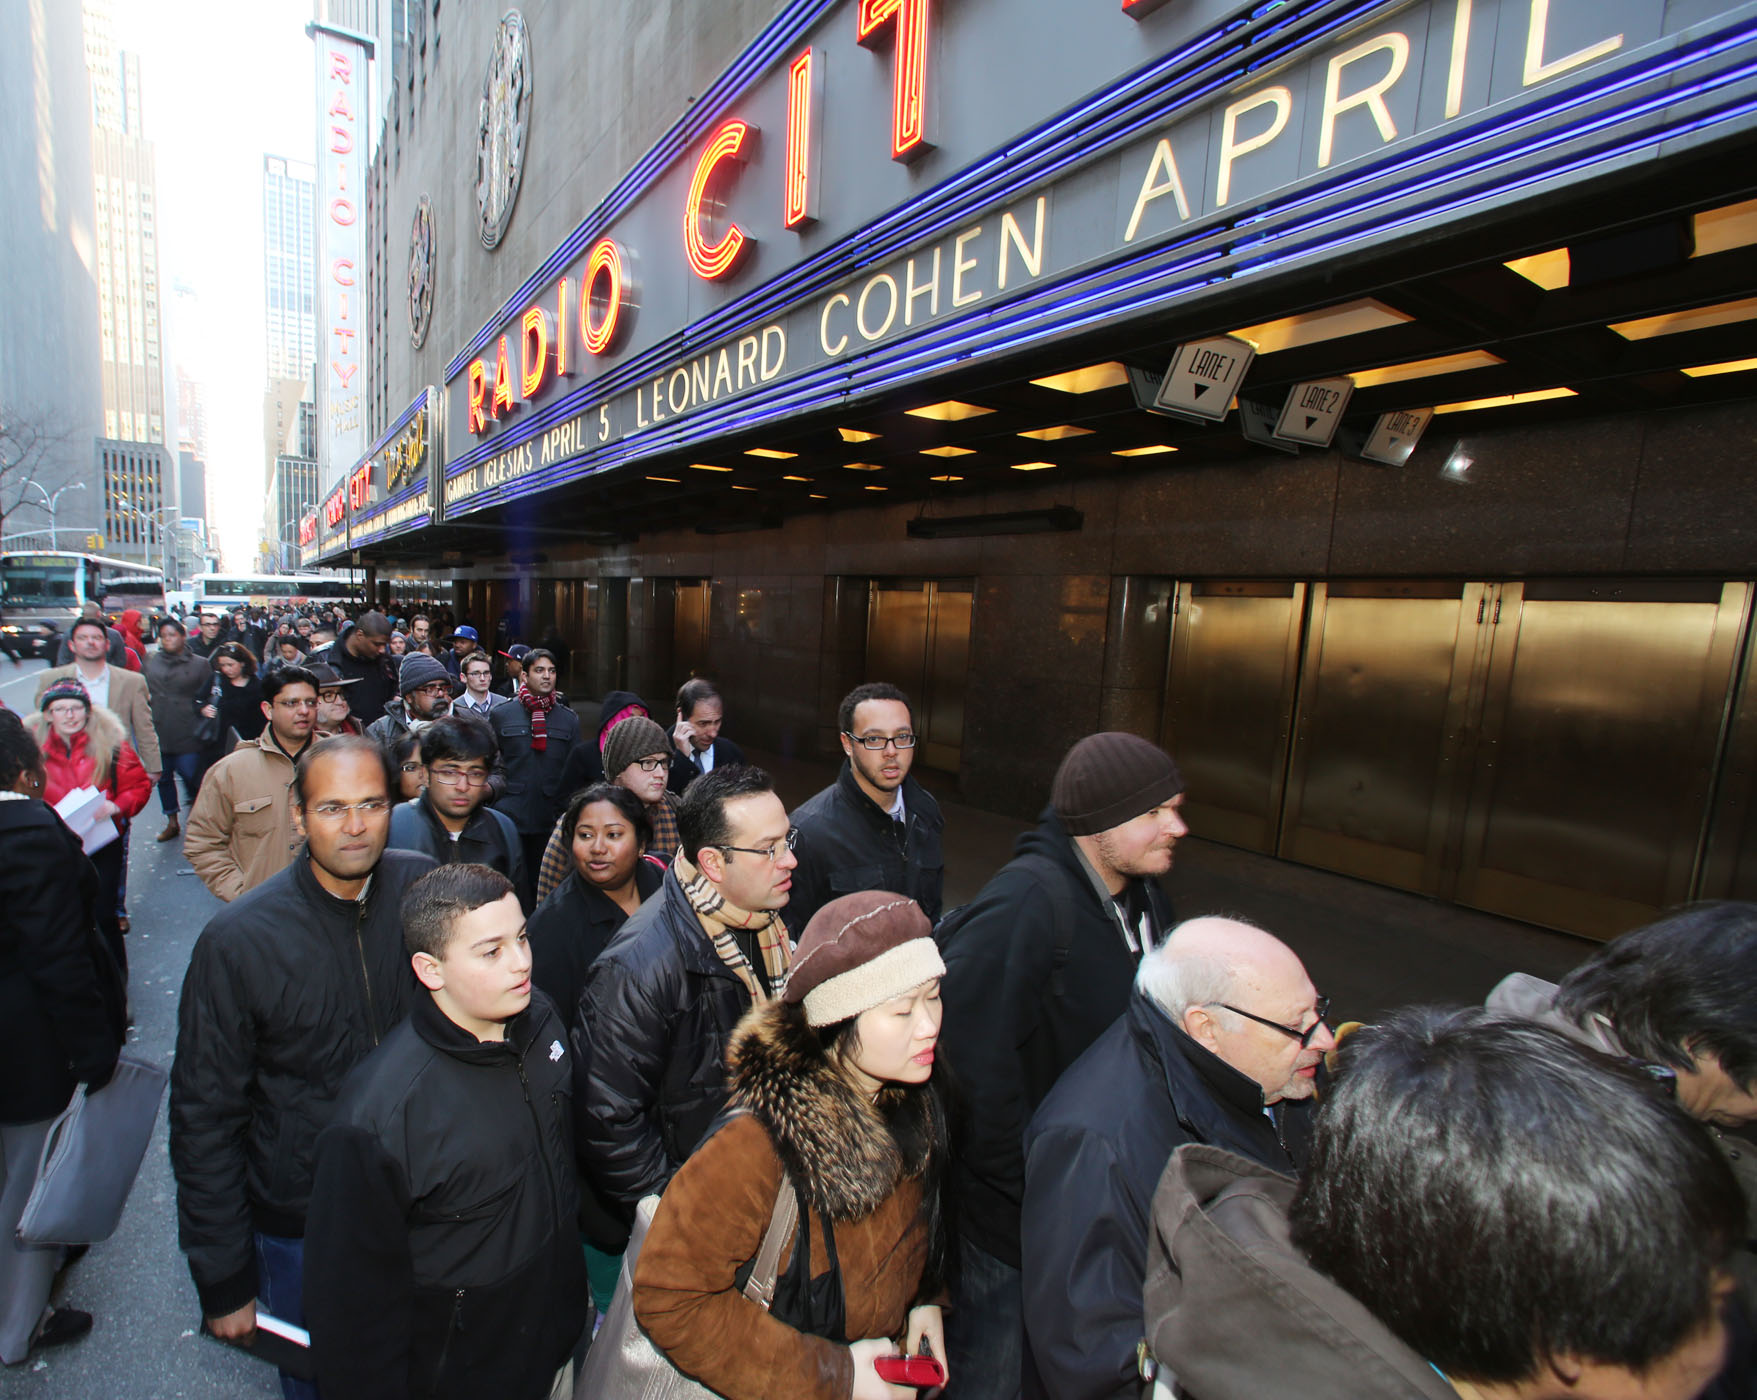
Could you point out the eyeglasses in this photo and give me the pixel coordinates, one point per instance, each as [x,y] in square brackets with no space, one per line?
[411,768]
[457,777]
[652,765]
[1322,1007]
[438,690]
[774,852]
[335,811]
[878,741]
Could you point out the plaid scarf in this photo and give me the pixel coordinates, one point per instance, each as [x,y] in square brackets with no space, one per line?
[718,919]
[539,707]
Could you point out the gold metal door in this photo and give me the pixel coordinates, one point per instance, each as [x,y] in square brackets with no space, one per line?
[918,638]
[1230,686]
[1602,722]
[1384,712]
[1729,864]
[689,628]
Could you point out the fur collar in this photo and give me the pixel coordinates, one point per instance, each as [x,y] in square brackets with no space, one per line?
[845,1155]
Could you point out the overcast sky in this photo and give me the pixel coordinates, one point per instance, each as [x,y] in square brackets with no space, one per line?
[224,82]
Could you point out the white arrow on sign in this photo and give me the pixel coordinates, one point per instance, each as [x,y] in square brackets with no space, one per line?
[1395,435]
[1204,376]
[1314,410]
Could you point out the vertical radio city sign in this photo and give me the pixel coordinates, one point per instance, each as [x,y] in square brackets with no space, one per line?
[343,107]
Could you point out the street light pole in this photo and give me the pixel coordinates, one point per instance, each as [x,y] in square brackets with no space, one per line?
[52,502]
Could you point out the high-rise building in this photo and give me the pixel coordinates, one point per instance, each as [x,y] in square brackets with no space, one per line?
[50,390]
[289,429]
[289,266]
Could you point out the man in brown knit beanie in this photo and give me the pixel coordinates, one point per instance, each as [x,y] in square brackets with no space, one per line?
[1037,966]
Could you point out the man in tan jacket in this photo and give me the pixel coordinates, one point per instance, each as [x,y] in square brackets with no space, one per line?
[241,829]
[120,691]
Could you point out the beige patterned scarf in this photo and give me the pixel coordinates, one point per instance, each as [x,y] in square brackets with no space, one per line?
[719,919]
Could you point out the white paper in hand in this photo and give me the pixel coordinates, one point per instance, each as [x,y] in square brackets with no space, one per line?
[79,809]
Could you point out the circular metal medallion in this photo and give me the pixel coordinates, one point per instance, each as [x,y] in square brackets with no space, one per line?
[421,273]
[505,121]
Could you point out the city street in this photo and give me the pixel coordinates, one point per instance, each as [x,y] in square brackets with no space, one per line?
[144,1344]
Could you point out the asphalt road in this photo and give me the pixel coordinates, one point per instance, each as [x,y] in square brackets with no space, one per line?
[144,1344]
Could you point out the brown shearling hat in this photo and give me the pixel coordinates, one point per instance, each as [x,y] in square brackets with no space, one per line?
[858,952]
[1108,779]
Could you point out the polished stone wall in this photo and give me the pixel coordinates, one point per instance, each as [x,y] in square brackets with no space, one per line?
[1069,630]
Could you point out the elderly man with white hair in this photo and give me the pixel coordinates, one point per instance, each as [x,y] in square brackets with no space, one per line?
[1221,1044]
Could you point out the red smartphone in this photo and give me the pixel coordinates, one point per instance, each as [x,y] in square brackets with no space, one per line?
[918,1371]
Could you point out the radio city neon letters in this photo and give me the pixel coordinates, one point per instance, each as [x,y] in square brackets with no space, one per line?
[909,80]
[730,144]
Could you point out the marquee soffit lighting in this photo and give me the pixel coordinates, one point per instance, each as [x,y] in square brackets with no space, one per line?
[1724,367]
[707,467]
[945,478]
[948,451]
[1727,313]
[1549,270]
[769,452]
[856,435]
[875,488]
[1730,226]
[668,480]
[1331,323]
[862,467]
[951,411]
[1152,450]
[1504,400]
[737,487]
[1424,369]
[818,496]
[1033,466]
[1090,380]
[796,478]
[1057,433]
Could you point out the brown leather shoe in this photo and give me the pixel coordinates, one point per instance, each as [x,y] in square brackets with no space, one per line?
[172,830]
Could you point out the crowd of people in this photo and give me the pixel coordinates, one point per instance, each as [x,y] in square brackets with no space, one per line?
[521,1044]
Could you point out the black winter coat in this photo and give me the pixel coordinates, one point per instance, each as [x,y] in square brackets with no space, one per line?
[684,772]
[61,997]
[585,765]
[1014,1021]
[288,989]
[441,1256]
[1094,1154]
[532,792]
[488,838]
[655,1018]
[847,844]
[570,929]
[375,677]
[177,685]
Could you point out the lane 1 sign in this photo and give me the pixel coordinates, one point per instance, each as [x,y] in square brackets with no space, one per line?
[1204,376]
[1395,435]
[1313,410]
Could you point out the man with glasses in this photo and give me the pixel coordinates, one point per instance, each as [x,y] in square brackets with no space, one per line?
[287,990]
[660,1002]
[477,674]
[209,639]
[426,694]
[358,653]
[1221,1044]
[241,828]
[1038,965]
[875,827]
[449,821]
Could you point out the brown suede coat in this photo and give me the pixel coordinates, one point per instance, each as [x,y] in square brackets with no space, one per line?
[711,1220]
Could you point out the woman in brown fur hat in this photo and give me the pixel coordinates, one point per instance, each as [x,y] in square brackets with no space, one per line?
[839,1096]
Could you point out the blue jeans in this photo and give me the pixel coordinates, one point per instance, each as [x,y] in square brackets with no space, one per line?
[186,765]
[985,1332]
[280,1281]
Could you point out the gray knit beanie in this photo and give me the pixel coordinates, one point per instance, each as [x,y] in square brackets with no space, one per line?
[636,737]
[1108,779]
[419,669]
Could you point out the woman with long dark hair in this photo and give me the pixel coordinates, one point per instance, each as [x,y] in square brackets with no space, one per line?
[240,706]
[842,1107]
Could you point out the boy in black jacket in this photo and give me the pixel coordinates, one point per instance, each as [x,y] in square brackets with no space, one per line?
[441,1252]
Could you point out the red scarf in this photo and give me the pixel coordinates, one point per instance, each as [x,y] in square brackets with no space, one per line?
[539,707]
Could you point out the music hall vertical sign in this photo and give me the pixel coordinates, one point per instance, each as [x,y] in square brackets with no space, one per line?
[343,108]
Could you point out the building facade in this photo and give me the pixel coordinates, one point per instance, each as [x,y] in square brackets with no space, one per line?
[289,266]
[1356,400]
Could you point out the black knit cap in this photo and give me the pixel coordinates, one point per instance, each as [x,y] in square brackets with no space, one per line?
[1108,779]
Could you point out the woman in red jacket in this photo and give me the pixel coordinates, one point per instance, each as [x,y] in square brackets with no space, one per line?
[84,746]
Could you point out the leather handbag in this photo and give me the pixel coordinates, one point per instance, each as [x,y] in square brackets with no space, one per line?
[91,1156]
[623,1363]
[207,727]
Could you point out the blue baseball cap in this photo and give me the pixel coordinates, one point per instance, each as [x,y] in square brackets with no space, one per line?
[469,632]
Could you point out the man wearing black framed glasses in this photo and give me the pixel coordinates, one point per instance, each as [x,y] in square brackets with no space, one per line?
[875,827]
[1221,1045]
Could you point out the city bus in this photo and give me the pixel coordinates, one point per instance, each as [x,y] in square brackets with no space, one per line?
[42,591]
[222,592]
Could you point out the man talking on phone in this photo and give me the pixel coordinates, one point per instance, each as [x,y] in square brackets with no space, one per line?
[696,735]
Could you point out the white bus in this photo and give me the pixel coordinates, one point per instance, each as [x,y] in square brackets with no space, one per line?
[42,591]
[222,592]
